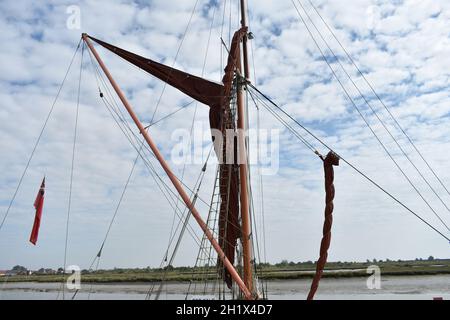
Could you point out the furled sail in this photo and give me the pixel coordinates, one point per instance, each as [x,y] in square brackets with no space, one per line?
[229,230]
[329,161]
[217,96]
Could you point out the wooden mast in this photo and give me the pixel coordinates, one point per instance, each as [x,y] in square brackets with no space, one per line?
[228,265]
[243,173]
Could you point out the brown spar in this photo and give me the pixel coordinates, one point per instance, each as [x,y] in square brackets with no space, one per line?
[330,160]
[243,170]
[185,197]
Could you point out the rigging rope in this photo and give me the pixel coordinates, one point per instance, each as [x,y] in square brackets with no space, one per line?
[69,207]
[368,124]
[365,176]
[170,114]
[379,99]
[259,172]
[195,111]
[256,252]
[180,237]
[175,59]
[385,128]
[146,162]
[130,135]
[153,116]
[39,137]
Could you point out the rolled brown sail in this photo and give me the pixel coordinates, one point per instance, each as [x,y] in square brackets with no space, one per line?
[330,160]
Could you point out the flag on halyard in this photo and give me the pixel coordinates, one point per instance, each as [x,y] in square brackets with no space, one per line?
[38,205]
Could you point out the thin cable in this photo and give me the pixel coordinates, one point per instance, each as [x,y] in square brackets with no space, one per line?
[374,112]
[118,206]
[170,114]
[367,123]
[381,101]
[148,164]
[75,135]
[261,192]
[348,163]
[39,138]
[195,110]
[180,237]
[221,36]
[147,148]
[289,127]
[175,59]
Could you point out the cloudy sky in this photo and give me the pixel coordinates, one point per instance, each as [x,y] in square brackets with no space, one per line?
[403,48]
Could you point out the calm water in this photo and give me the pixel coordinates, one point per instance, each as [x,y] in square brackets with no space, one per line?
[404,287]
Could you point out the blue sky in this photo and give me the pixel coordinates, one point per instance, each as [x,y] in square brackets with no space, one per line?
[403,47]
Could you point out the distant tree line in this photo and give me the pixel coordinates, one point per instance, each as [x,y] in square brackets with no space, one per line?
[21,270]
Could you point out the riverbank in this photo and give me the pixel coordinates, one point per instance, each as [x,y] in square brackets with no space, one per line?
[289,271]
[392,288]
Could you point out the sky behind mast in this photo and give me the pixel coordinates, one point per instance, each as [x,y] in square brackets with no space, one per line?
[403,48]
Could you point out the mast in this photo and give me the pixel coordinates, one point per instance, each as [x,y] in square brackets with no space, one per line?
[176,183]
[244,23]
[243,172]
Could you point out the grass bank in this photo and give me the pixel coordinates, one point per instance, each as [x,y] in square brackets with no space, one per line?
[282,271]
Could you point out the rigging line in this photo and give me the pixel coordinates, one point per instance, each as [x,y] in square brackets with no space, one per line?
[201,251]
[261,192]
[350,164]
[169,193]
[99,77]
[170,114]
[196,106]
[251,46]
[253,227]
[153,172]
[282,121]
[119,203]
[251,192]
[194,197]
[75,136]
[92,283]
[139,154]
[379,99]
[99,254]
[39,137]
[183,229]
[221,35]
[148,164]
[229,22]
[211,224]
[259,173]
[375,112]
[175,59]
[149,151]
[367,123]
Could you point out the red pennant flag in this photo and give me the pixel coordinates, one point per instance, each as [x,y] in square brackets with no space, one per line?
[38,205]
